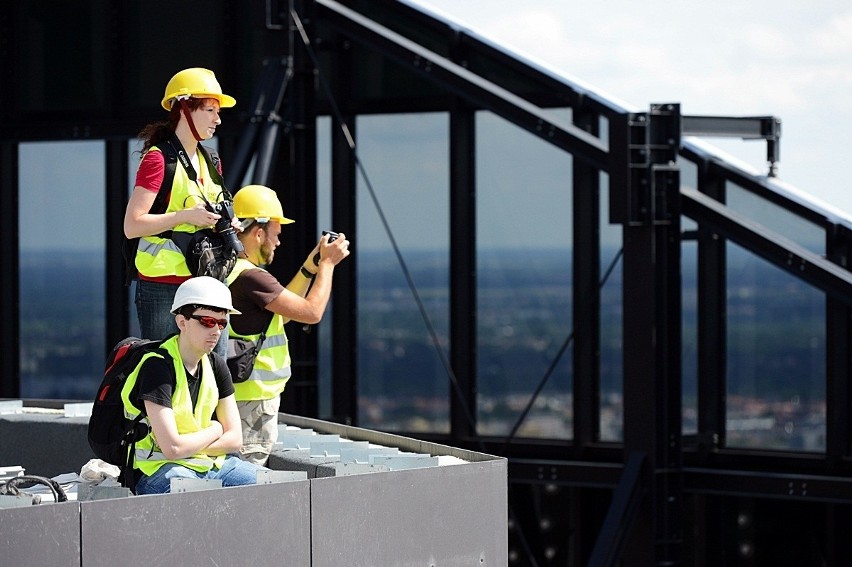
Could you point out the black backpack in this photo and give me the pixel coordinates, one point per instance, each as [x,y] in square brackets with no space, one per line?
[161,201]
[112,436]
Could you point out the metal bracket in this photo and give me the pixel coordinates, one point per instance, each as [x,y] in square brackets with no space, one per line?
[744,127]
[645,176]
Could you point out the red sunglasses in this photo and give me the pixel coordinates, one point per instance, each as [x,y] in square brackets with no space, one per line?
[209,321]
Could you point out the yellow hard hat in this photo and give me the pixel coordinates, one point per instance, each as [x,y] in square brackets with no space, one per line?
[198,83]
[259,202]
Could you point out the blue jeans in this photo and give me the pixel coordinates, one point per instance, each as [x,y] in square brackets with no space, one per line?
[154,308]
[234,472]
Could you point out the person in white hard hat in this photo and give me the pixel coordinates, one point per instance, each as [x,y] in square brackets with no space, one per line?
[185,389]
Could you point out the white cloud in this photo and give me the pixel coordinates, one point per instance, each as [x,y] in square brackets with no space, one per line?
[836,36]
[727,57]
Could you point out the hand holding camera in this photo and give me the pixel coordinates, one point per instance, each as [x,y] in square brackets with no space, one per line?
[332,237]
[224,225]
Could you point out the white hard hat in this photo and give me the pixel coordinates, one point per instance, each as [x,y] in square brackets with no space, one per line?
[204,290]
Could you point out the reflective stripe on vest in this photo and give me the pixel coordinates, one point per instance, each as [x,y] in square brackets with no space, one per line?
[272,366]
[200,465]
[159,257]
[148,457]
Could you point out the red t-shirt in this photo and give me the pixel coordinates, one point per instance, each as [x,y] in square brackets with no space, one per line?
[151,171]
[153,167]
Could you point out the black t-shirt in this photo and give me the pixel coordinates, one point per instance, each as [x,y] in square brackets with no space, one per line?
[156,381]
[251,292]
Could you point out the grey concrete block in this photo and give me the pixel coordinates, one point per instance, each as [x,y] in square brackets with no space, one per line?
[45,444]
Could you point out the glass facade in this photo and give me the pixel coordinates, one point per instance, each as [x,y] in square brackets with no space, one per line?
[403,272]
[611,325]
[775,323]
[524,246]
[762,349]
[62,250]
[775,393]
[776,357]
[775,218]
[323,330]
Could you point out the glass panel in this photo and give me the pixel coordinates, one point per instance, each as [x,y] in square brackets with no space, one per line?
[776,219]
[62,275]
[688,173]
[612,316]
[524,236]
[323,131]
[776,357]
[135,157]
[689,329]
[689,302]
[403,384]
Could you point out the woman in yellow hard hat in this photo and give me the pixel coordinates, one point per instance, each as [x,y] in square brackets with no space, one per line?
[172,153]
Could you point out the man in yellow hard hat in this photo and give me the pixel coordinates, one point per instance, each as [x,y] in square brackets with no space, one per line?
[266,305]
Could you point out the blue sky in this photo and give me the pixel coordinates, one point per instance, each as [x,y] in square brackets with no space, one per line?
[792,60]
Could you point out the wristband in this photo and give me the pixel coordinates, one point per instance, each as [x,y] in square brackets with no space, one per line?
[307,273]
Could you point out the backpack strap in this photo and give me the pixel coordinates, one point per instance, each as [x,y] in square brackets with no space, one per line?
[159,206]
[131,436]
[213,161]
[210,156]
[172,153]
[161,200]
[134,432]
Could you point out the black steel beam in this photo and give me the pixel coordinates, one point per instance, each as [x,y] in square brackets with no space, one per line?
[296,183]
[586,275]
[645,198]
[10,338]
[344,218]
[265,109]
[771,485]
[476,90]
[271,127]
[838,336]
[778,250]
[623,511]
[463,272]
[711,321]
[586,474]
[117,293]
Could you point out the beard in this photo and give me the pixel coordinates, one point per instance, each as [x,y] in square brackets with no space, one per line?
[267,253]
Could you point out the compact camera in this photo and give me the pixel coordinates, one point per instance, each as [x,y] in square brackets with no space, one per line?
[223,226]
[332,236]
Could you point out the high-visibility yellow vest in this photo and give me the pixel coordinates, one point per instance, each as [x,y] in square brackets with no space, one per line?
[158,257]
[148,457]
[272,366]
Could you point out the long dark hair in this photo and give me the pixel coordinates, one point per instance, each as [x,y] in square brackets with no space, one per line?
[158,132]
